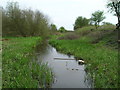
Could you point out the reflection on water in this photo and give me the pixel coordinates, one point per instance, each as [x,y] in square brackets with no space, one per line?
[68,73]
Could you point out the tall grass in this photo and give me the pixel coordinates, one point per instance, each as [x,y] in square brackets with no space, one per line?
[19,68]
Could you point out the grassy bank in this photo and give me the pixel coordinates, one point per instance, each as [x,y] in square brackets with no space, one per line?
[101,60]
[19,68]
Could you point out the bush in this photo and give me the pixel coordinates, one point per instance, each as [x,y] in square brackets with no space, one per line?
[88,28]
[98,35]
[107,27]
[85,30]
[95,34]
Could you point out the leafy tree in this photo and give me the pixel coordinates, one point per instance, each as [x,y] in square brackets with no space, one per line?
[24,22]
[62,29]
[97,17]
[114,6]
[13,14]
[81,22]
[53,27]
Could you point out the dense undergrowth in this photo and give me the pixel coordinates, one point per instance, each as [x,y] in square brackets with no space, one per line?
[94,47]
[19,68]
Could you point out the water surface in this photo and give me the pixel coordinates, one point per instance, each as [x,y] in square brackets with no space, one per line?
[68,73]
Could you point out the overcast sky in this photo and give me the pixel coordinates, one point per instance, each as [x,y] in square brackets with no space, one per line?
[65,12]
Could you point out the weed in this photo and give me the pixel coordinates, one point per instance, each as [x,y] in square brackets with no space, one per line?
[19,70]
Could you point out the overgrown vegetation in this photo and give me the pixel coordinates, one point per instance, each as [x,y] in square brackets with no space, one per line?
[62,29]
[19,68]
[22,29]
[81,22]
[90,31]
[69,36]
[53,28]
[97,45]
[114,6]
[23,22]
[99,50]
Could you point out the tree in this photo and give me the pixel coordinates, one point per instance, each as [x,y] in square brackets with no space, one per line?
[97,17]
[81,22]
[62,29]
[114,6]
[24,22]
[53,27]
[13,14]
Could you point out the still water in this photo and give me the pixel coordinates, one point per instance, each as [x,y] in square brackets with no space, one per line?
[68,73]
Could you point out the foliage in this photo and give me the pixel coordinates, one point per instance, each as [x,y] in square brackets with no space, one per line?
[107,27]
[53,27]
[19,69]
[97,17]
[81,22]
[114,6]
[62,29]
[91,31]
[87,28]
[18,22]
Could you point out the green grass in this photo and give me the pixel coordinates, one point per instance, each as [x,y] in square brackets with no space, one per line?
[101,62]
[19,68]
[86,28]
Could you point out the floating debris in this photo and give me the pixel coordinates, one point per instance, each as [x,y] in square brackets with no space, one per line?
[81,62]
[64,58]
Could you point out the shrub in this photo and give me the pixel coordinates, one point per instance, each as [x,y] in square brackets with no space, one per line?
[107,27]
[85,30]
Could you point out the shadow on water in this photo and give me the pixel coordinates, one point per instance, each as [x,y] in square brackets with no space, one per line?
[68,73]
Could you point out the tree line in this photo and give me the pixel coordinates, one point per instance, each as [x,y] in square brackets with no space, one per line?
[23,22]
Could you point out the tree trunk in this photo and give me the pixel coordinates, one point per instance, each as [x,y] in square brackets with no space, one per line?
[118,14]
[96,25]
[118,26]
